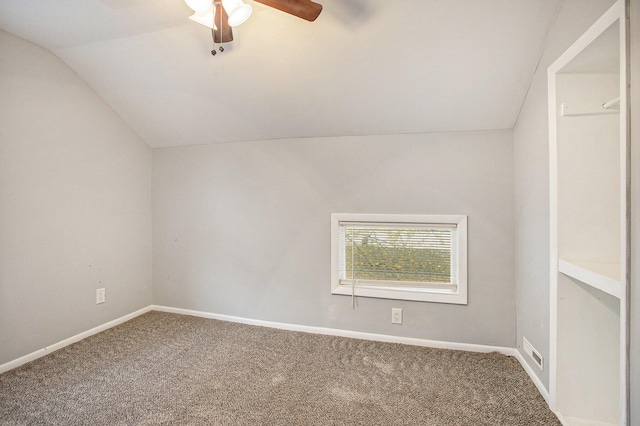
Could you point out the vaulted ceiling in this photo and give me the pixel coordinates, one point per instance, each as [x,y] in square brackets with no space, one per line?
[363,67]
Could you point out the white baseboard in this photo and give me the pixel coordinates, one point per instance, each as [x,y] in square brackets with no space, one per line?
[575,421]
[66,342]
[563,421]
[532,374]
[342,333]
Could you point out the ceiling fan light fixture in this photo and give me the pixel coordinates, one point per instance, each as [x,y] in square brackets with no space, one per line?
[206,18]
[199,6]
[238,11]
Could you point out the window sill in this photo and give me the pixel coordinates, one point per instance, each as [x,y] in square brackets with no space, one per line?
[415,294]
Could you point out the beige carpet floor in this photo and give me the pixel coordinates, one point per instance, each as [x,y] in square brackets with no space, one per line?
[165,368]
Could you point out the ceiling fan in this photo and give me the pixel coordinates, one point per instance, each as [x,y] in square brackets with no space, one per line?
[222,15]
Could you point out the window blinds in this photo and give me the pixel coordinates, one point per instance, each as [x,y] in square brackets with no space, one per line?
[392,254]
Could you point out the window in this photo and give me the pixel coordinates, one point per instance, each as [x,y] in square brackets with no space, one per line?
[407,257]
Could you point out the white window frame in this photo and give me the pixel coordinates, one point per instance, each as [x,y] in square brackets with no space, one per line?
[398,291]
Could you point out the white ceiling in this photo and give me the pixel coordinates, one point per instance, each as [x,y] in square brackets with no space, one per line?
[363,67]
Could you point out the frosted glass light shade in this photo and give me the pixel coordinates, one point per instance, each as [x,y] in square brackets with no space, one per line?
[237,10]
[199,6]
[206,18]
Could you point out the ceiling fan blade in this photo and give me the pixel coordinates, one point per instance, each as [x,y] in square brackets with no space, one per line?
[305,9]
[222,32]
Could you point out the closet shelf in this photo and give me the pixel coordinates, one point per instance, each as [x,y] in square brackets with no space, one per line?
[584,110]
[603,276]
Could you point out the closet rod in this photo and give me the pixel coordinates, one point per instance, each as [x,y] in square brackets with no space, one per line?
[611,103]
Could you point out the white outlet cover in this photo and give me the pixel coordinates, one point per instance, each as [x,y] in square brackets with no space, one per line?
[396,315]
[100,296]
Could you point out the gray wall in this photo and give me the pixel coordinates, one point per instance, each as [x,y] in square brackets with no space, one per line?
[75,205]
[243,229]
[635,215]
[531,158]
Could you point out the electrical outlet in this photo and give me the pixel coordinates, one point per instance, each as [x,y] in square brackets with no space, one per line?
[101,296]
[396,315]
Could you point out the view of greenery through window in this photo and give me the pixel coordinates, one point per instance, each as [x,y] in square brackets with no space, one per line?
[398,254]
